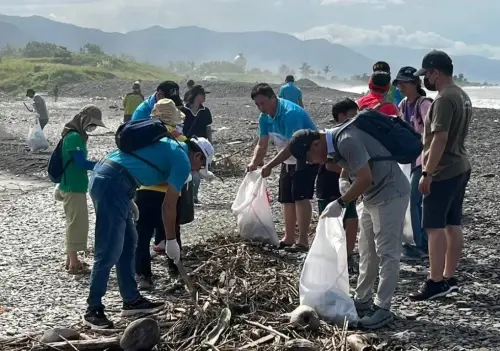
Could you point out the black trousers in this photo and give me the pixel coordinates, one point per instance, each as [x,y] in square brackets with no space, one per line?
[150,220]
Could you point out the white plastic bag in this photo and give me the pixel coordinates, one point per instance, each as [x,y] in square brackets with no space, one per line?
[253,210]
[324,281]
[408,229]
[36,139]
[57,193]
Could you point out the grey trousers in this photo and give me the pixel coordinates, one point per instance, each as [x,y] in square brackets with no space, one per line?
[196,184]
[379,248]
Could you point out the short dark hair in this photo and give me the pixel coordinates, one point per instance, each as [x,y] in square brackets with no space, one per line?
[190,83]
[30,91]
[263,89]
[289,78]
[343,106]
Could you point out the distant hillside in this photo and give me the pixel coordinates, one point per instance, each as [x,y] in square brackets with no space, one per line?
[475,68]
[158,45]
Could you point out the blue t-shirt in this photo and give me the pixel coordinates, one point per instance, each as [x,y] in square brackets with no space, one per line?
[170,156]
[143,111]
[291,93]
[289,118]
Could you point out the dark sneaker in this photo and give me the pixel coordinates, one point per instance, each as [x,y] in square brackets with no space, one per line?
[172,268]
[410,253]
[377,319]
[145,283]
[431,290]
[364,308]
[452,283]
[141,306]
[96,319]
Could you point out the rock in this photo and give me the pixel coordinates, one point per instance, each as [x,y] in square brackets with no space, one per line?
[305,317]
[300,345]
[142,334]
[54,335]
[361,342]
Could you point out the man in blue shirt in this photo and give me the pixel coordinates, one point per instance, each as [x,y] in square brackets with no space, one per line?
[290,92]
[167,89]
[279,119]
[112,187]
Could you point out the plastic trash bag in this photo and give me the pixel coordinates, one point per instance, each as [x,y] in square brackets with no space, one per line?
[253,210]
[324,281]
[36,139]
[57,193]
[408,229]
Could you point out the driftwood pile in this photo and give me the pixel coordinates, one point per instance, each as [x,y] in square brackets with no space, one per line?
[244,295]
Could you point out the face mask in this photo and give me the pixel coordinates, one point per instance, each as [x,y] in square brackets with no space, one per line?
[90,128]
[428,85]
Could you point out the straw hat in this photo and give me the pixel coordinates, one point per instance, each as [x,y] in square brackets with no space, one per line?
[166,111]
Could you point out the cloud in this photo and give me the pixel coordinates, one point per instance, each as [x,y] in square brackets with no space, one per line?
[354,2]
[396,36]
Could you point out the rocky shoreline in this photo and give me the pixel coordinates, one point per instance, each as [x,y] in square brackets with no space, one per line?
[37,293]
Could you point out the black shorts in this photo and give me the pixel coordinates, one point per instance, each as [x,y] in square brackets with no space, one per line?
[296,185]
[443,206]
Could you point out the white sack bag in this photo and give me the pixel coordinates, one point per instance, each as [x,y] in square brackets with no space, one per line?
[408,229]
[253,210]
[324,281]
[36,139]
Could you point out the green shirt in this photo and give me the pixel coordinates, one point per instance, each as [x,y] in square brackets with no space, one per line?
[75,179]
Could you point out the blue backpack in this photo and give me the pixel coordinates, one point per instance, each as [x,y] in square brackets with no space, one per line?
[397,136]
[137,134]
[55,167]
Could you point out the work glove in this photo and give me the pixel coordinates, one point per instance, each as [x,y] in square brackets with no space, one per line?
[57,194]
[173,250]
[333,210]
[344,185]
[135,211]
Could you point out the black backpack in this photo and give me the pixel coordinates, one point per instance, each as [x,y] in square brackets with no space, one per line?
[56,167]
[397,136]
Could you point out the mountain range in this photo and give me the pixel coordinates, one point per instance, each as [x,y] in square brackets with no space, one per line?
[263,49]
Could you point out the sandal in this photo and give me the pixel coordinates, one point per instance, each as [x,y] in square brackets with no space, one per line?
[283,245]
[297,248]
[79,269]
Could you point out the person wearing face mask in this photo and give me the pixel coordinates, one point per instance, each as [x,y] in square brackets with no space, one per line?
[414,108]
[198,122]
[74,183]
[446,171]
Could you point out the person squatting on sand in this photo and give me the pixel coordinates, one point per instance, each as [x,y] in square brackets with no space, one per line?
[279,119]
[413,109]
[72,190]
[445,173]
[332,183]
[386,193]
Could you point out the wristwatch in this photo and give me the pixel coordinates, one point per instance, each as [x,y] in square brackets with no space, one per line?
[341,202]
[425,174]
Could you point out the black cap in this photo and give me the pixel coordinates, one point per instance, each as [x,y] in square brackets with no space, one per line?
[289,78]
[195,91]
[436,59]
[406,74]
[29,92]
[170,90]
[299,145]
[382,66]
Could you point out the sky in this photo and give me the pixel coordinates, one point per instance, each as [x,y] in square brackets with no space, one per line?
[458,26]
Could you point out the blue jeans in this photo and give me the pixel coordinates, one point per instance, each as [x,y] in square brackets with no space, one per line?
[419,233]
[111,190]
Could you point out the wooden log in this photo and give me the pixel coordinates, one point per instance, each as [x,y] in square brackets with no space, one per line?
[82,345]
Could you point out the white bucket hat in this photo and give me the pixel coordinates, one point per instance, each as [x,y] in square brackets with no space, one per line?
[166,111]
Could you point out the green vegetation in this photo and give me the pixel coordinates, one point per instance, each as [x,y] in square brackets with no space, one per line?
[43,65]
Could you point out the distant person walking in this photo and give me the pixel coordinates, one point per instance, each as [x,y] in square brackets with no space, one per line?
[393,94]
[56,92]
[446,171]
[39,106]
[291,92]
[414,108]
[131,101]
[74,183]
